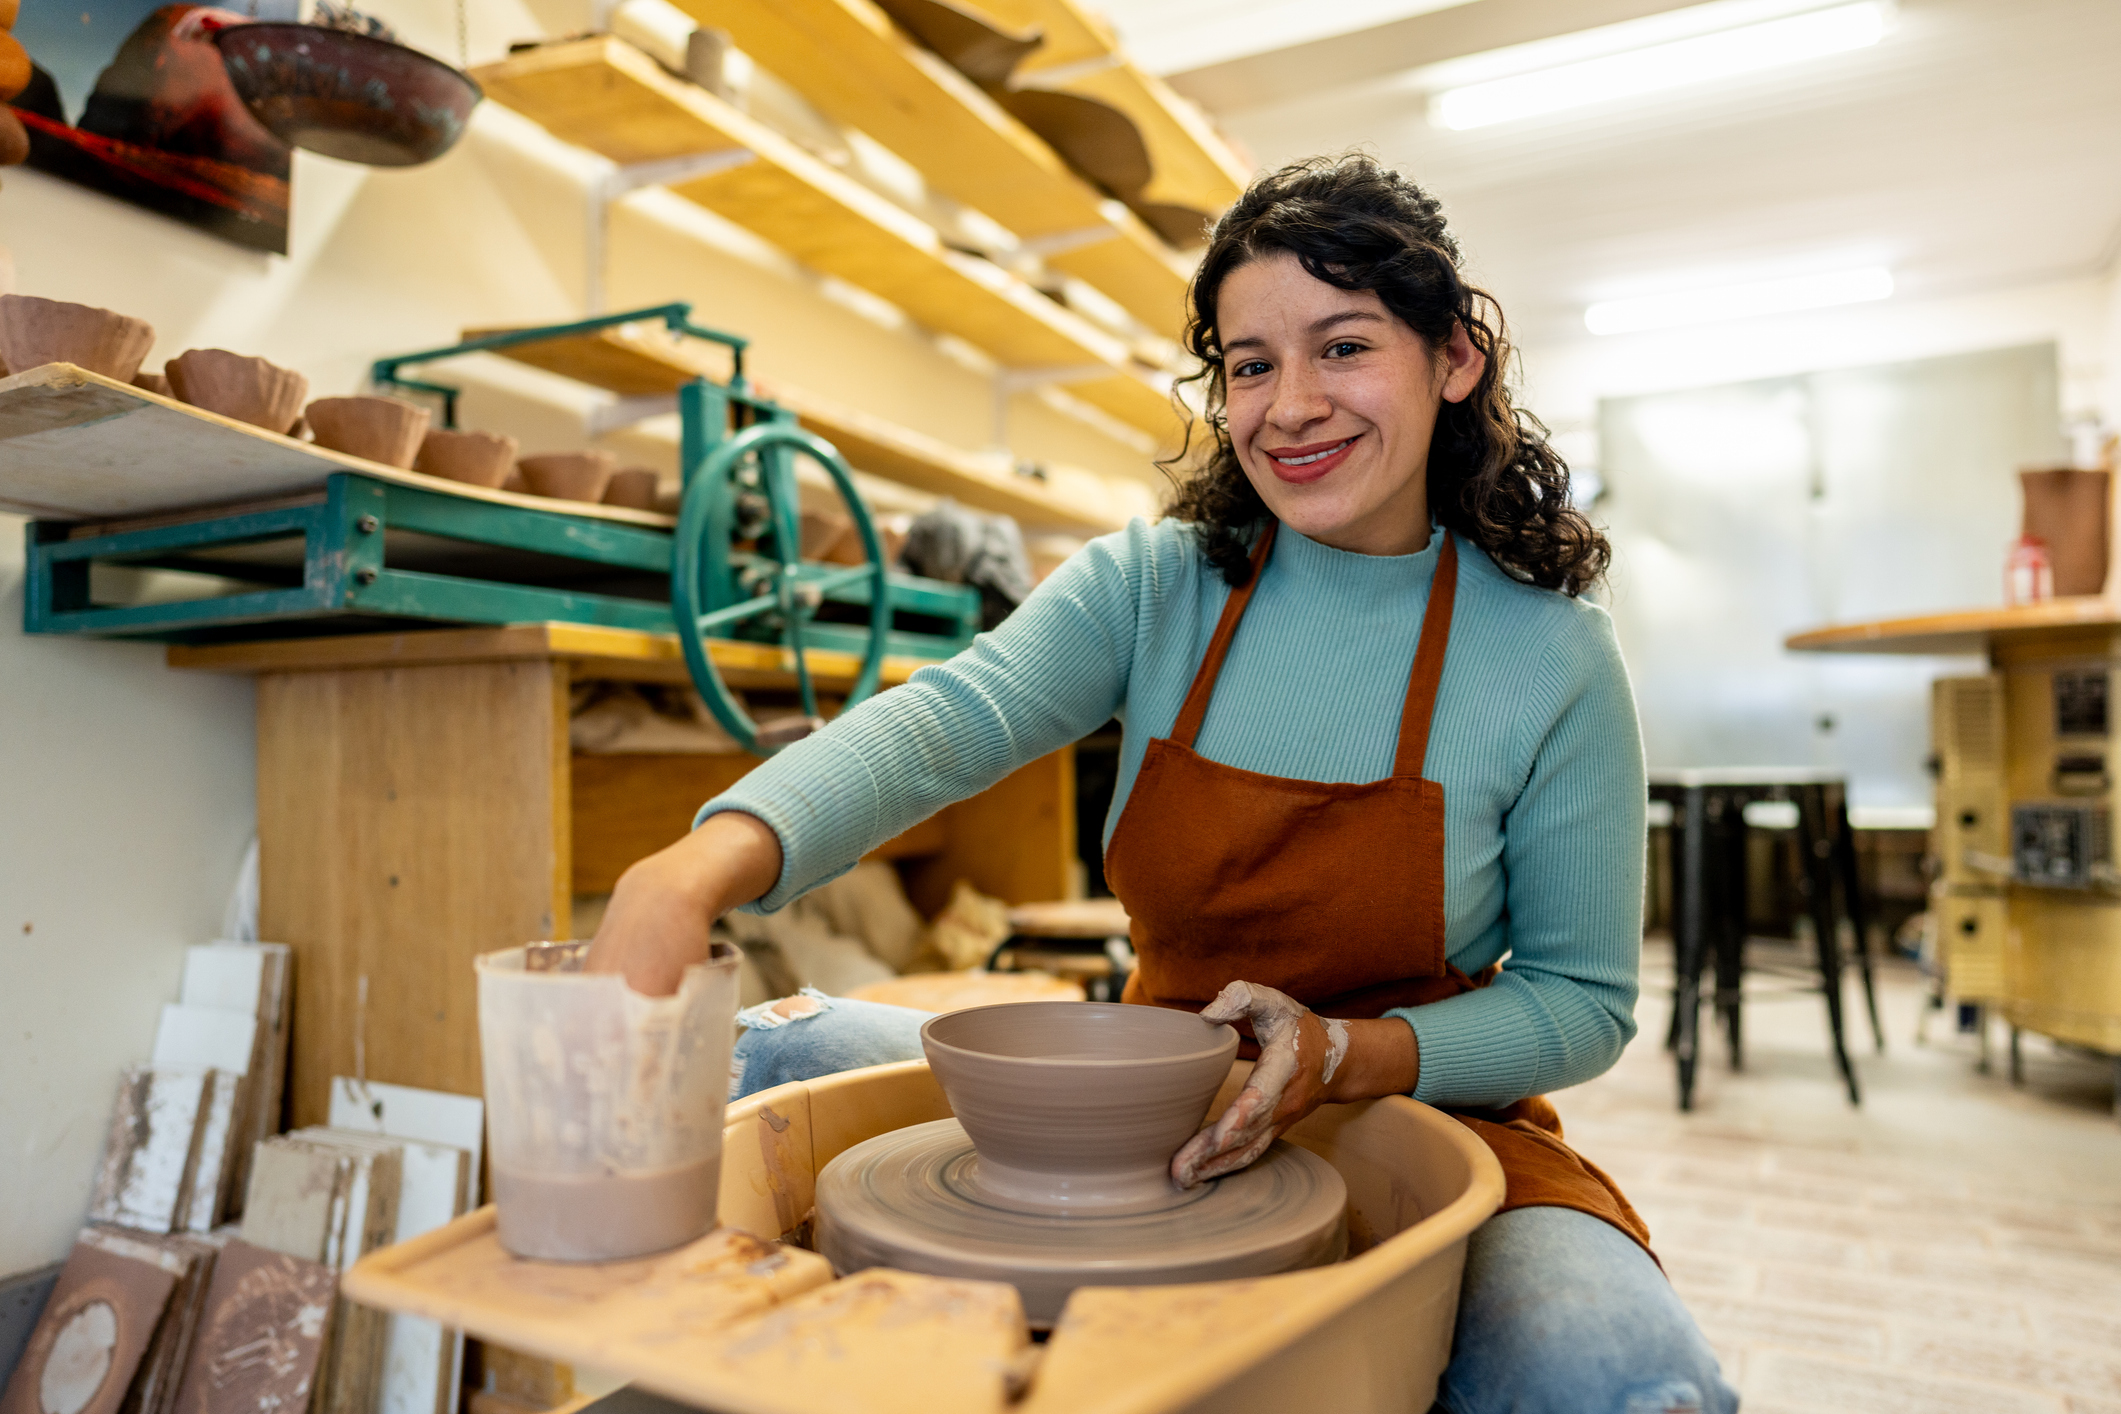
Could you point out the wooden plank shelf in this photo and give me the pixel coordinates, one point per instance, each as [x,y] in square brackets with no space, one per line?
[861,70]
[640,360]
[75,445]
[605,95]
[1190,167]
[1962,631]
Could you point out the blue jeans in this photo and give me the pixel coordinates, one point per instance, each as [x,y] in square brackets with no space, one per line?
[1559,1313]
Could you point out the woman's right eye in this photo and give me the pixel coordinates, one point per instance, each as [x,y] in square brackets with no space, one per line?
[1249,368]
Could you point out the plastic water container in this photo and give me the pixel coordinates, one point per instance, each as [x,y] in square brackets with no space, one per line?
[604,1107]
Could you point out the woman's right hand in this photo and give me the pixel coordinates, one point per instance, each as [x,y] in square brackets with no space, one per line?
[658,920]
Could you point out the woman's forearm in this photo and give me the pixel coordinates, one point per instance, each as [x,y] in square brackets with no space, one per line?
[660,913]
[1382,1059]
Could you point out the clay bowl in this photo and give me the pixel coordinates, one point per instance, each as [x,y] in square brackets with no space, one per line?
[34,332]
[350,96]
[635,487]
[385,430]
[246,389]
[568,476]
[479,458]
[1077,1106]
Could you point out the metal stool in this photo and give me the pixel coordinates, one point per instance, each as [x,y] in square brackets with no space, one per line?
[1709,899]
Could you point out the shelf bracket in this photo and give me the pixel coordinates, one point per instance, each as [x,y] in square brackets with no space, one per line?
[621,180]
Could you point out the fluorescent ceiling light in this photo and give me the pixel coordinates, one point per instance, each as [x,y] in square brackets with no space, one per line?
[1721,302]
[1663,66]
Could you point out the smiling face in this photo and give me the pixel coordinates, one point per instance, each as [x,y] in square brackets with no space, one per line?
[1331,401]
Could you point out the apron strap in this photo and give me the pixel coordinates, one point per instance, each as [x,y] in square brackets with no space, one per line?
[1195,710]
[1422,682]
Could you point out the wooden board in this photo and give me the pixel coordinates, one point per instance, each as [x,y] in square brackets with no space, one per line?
[1190,165]
[75,445]
[1962,631]
[408,820]
[645,360]
[605,95]
[591,652]
[862,71]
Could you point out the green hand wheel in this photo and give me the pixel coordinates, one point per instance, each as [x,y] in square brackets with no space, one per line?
[745,493]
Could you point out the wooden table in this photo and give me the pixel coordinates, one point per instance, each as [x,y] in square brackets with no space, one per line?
[2055,757]
[418,804]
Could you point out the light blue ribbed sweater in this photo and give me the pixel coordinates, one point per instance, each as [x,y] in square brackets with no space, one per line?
[1535,743]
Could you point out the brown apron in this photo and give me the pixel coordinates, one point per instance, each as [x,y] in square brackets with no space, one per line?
[1332,893]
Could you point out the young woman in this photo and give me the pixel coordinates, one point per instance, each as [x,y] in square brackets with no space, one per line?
[1381,792]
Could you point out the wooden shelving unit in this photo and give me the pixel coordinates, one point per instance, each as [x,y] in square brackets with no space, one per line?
[418,804]
[861,70]
[644,360]
[605,95]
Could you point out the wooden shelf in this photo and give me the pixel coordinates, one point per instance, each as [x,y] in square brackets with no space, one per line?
[637,360]
[591,652]
[75,445]
[1191,167]
[1963,631]
[607,96]
[861,70]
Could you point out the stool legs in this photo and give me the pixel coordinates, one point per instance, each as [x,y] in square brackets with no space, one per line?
[1817,847]
[1732,915]
[1691,930]
[1852,901]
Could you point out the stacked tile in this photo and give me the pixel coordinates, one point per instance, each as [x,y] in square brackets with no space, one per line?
[191,1260]
[94,1334]
[262,1330]
[331,1197]
[250,979]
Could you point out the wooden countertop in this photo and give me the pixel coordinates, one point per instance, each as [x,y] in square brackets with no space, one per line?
[1961,631]
[595,652]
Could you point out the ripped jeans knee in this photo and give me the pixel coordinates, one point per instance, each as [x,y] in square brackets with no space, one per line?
[811,1034]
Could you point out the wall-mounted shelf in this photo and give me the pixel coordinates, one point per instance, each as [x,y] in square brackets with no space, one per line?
[644,360]
[607,96]
[75,445]
[860,70]
[1962,631]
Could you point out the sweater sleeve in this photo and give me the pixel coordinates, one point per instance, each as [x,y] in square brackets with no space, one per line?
[1573,854]
[1053,671]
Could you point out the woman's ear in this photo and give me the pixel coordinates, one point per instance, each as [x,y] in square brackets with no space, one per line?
[1464,365]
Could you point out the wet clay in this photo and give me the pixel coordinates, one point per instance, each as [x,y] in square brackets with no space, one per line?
[909,1199]
[34,332]
[602,1217]
[247,389]
[385,430]
[1075,1106]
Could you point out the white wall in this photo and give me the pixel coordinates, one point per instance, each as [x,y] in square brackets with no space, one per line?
[125,802]
[127,788]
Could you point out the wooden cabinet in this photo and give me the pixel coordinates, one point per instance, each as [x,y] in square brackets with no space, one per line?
[418,805]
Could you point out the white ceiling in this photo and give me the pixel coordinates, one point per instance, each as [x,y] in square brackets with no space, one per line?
[1978,146]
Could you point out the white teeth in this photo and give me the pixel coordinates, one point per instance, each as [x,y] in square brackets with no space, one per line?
[1315,456]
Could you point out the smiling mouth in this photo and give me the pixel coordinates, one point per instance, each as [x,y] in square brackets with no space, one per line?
[1314,457]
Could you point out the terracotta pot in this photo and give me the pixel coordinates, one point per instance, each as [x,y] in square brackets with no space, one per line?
[385,430]
[34,332]
[514,482]
[153,383]
[635,487]
[568,476]
[479,458]
[246,389]
[2068,512]
[1077,1106]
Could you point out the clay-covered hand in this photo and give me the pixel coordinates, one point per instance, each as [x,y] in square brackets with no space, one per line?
[1298,1053]
[658,920]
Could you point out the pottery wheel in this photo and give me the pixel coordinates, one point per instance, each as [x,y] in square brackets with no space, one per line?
[905,1200]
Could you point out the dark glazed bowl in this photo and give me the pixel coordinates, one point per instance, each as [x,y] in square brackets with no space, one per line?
[1077,1106]
[349,96]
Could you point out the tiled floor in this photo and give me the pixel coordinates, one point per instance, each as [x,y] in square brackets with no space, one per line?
[1954,1245]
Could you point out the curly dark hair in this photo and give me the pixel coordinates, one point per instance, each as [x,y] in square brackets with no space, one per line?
[1357,225]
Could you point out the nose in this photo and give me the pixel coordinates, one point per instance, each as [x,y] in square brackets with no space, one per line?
[1299,399]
